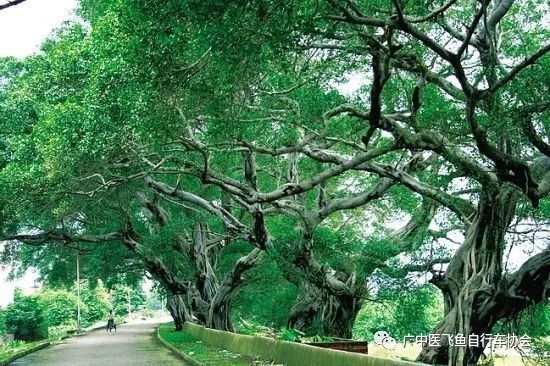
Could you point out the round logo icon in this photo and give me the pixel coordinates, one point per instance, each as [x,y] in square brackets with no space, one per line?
[389,343]
[380,336]
[383,338]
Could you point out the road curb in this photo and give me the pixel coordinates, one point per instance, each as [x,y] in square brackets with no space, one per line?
[176,351]
[14,357]
[40,346]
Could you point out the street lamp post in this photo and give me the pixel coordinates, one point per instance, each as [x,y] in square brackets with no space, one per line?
[129,301]
[78,320]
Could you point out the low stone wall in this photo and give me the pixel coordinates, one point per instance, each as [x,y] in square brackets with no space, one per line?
[286,353]
[176,351]
[20,354]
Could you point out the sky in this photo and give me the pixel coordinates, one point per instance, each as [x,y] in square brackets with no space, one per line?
[22,29]
[24,26]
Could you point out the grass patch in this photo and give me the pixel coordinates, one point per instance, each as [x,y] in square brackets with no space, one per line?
[9,349]
[202,352]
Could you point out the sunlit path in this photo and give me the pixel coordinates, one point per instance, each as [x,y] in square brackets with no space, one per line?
[132,344]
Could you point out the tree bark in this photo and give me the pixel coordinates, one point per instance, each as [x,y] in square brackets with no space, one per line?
[332,299]
[221,318]
[315,310]
[339,315]
[308,304]
[208,297]
[178,310]
[10,3]
[473,280]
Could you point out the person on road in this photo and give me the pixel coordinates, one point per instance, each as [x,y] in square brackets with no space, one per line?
[111,321]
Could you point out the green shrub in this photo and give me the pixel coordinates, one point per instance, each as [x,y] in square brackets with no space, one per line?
[2,323]
[267,296]
[289,335]
[127,299]
[96,303]
[412,311]
[52,312]
[58,308]
[59,331]
[24,318]
[11,346]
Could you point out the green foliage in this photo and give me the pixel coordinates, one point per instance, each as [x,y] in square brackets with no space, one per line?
[199,350]
[7,350]
[2,322]
[155,302]
[126,299]
[289,335]
[534,321]
[51,312]
[541,350]
[24,318]
[96,303]
[112,98]
[404,312]
[58,307]
[319,339]
[266,297]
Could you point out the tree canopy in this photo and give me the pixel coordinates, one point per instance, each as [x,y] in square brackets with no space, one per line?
[319,146]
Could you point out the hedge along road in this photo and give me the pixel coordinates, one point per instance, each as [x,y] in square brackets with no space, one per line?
[132,344]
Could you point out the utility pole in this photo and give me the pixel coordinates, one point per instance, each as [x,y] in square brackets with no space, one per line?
[78,320]
[128,297]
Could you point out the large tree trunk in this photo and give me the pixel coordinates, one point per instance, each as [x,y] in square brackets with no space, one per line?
[318,311]
[178,310]
[221,318]
[332,299]
[339,315]
[306,308]
[473,280]
[208,297]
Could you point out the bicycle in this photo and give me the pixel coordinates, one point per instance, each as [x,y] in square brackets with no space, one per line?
[111,325]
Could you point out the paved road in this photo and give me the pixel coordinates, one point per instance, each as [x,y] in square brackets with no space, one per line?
[132,344]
